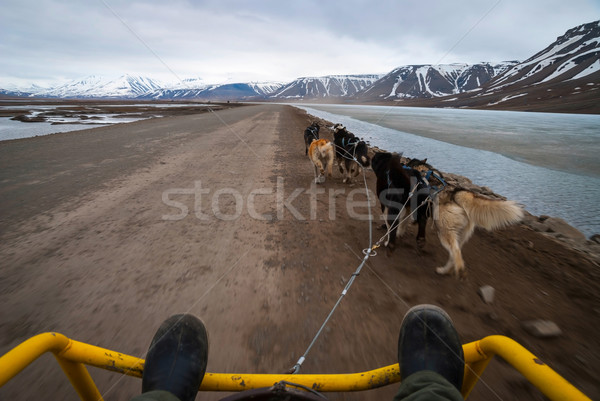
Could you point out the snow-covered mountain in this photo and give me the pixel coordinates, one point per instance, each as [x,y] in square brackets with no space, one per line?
[266,88]
[566,72]
[565,76]
[187,83]
[126,86]
[428,81]
[139,87]
[327,86]
[15,90]
[573,56]
[235,91]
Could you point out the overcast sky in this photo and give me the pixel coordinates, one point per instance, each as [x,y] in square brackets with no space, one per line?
[51,41]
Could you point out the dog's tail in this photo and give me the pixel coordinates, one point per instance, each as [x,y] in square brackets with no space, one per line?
[328,154]
[489,213]
[326,149]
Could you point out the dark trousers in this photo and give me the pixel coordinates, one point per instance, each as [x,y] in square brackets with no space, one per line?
[157,395]
[427,386]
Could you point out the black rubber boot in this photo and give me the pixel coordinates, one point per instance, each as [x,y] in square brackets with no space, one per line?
[429,341]
[176,359]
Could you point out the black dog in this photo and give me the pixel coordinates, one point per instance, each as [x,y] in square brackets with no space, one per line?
[311,134]
[430,175]
[347,148]
[400,189]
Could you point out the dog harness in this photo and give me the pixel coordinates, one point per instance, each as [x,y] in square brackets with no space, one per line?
[349,143]
[431,173]
[314,131]
[434,189]
[389,181]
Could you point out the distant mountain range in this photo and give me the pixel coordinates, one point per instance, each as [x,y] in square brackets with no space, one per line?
[569,69]
[325,87]
[429,81]
[565,76]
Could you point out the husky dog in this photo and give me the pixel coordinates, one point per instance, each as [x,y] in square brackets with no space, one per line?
[432,176]
[457,212]
[311,134]
[399,189]
[347,148]
[321,153]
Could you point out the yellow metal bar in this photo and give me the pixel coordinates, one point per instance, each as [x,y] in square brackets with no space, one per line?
[320,382]
[25,353]
[28,351]
[103,358]
[71,354]
[550,383]
[131,366]
[473,372]
[80,380]
[475,363]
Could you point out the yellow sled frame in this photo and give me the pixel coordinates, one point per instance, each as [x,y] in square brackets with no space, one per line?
[72,356]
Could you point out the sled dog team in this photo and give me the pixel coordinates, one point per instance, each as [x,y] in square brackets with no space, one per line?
[415,185]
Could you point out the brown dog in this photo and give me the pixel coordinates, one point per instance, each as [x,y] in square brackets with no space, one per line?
[322,154]
[457,212]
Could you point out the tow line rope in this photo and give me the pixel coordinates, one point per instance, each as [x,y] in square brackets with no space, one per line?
[394,225]
[368,253]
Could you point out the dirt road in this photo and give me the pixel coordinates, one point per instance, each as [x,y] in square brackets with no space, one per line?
[105,233]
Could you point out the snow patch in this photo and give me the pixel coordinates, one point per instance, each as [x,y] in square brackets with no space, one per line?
[507,98]
[595,67]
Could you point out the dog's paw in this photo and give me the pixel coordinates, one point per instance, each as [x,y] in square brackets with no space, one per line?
[441,270]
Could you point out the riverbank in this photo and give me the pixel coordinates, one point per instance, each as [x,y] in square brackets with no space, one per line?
[552,227]
[107,232]
[551,150]
[20,119]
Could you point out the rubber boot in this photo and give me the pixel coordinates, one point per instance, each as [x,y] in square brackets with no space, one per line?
[429,341]
[176,359]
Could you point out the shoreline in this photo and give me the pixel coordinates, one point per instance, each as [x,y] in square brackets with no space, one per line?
[45,117]
[533,183]
[490,141]
[552,227]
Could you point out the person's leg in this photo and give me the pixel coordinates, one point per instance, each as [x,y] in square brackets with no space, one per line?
[158,395]
[426,385]
[430,356]
[176,360]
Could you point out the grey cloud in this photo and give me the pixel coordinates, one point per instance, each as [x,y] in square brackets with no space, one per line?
[272,39]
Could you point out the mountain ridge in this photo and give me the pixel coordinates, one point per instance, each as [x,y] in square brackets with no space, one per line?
[568,68]
[429,80]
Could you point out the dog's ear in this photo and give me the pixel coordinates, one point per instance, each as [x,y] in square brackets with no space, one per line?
[425,160]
